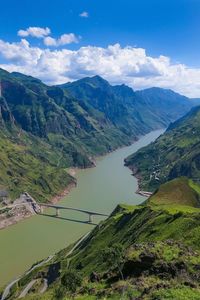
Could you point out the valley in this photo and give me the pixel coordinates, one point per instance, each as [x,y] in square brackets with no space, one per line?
[147,251]
[101,188]
[175,153]
[100,150]
[46,129]
[46,134]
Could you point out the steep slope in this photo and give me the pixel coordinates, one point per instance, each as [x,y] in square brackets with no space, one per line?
[131,110]
[50,113]
[69,125]
[177,191]
[43,131]
[196,101]
[101,96]
[142,252]
[175,153]
[29,164]
[163,103]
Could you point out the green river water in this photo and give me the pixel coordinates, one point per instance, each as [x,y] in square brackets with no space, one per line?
[99,189]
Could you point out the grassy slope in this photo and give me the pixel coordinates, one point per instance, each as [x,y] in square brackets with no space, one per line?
[57,133]
[179,191]
[175,153]
[131,111]
[161,245]
[28,164]
[69,131]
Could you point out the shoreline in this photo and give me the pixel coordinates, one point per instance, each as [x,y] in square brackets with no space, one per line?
[22,208]
[25,213]
[137,175]
[62,194]
[14,220]
[55,199]
[75,172]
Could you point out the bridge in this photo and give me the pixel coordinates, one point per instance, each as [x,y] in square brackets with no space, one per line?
[30,203]
[58,208]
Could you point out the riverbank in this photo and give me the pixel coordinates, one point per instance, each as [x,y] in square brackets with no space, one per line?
[8,288]
[17,215]
[64,193]
[136,174]
[99,189]
[23,207]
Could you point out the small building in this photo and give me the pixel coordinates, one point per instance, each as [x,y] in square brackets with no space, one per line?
[4,196]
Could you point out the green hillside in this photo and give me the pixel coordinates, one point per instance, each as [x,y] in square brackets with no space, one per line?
[30,164]
[151,251]
[177,191]
[175,153]
[49,129]
[131,111]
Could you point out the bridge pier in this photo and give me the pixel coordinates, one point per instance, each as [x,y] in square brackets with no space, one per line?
[90,218]
[57,212]
[41,209]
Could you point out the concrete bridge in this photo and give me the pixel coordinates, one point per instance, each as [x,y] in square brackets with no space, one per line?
[27,201]
[58,208]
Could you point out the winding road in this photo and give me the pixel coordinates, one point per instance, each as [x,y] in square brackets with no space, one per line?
[10,285]
[32,282]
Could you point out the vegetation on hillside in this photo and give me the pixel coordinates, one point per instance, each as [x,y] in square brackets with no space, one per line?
[151,251]
[131,111]
[181,190]
[175,153]
[29,164]
[48,129]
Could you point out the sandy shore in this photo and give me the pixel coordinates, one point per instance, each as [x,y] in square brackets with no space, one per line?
[137,175]
[21,214]
[17,217]
[18,214]
[17,211]
[64,193]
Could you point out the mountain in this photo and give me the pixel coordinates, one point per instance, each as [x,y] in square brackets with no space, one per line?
[145,252]
[180,190]
[67,126]
[28,163]
[196,101]
[175,153]
[164,103]
[131,111]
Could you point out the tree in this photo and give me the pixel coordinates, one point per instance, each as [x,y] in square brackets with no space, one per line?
[71,280]
[114,257]
[60,292]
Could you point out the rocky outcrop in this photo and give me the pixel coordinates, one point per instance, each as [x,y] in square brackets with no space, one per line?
[23,207]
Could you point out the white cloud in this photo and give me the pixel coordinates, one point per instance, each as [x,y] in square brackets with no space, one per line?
[84,14]
[64,39]
[49,41]
[37,32]
[67,39]
[128,65]
[20,53]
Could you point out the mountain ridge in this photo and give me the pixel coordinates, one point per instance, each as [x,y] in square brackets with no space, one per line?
[71,128]
[140,252]
[175,153]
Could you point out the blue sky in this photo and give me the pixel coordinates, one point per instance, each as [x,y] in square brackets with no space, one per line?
[161,27]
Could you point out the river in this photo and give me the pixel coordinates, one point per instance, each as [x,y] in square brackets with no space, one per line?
[99,189]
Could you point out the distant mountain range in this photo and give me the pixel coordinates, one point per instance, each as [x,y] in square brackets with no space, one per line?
[175,153]
[131,111]
[46,129]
